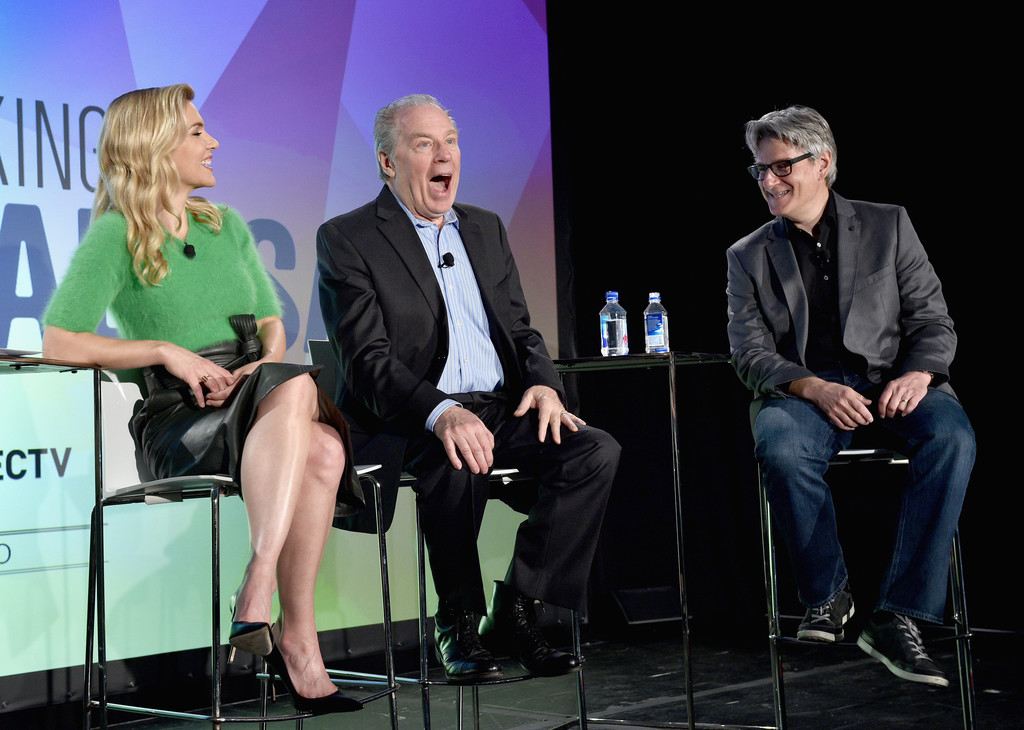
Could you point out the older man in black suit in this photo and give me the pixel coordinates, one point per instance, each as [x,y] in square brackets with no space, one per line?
[442,375]
[837,322]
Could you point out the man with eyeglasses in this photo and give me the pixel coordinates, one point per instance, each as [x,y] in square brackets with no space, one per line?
[837,322]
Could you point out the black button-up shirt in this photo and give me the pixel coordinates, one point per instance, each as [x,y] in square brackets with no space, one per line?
[818,259]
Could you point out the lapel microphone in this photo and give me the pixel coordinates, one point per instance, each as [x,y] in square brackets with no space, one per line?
[447,261]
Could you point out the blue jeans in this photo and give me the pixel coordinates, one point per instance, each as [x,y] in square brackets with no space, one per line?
[793,443]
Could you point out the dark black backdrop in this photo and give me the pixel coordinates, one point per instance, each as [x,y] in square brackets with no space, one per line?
[648,112]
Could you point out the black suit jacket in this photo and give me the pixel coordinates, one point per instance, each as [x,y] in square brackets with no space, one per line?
[386,320]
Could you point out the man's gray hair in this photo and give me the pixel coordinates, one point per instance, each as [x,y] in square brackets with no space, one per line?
[801,127]
[385,125]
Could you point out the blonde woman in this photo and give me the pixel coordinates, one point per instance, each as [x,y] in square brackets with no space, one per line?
[199,314]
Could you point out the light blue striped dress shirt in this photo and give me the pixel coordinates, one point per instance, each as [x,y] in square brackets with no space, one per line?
[472,362]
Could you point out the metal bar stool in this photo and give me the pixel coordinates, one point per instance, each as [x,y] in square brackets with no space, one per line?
[503,477]
[388,682]
[117,483]
[961,629]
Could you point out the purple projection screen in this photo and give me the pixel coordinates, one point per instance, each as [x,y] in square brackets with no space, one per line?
[289,89]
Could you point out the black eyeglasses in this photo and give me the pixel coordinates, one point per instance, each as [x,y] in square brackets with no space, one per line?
[779,168]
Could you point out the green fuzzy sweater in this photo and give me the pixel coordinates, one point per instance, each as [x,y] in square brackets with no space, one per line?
[189,307]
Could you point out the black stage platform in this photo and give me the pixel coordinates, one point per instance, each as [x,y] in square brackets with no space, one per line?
[638,678]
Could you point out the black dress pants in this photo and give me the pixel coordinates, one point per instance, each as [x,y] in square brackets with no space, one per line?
[555,545]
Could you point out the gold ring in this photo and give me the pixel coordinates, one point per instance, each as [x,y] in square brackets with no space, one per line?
[204,378]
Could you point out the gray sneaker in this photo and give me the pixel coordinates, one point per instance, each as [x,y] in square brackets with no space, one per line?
[825,623]
[897,644]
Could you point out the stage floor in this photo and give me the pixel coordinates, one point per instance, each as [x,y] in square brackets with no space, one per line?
[637,680]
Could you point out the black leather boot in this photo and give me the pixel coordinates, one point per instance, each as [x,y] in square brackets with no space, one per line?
[458,646]
[510,627]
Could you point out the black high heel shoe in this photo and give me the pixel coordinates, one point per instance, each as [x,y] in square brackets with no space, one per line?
[336,702]
[249,636]
[253,637]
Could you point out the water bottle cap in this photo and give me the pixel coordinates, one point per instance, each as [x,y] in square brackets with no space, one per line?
[611,295]
[655,295]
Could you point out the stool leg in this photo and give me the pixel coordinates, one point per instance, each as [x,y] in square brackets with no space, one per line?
[90,630]
[771,590]
[385,593]
[264,668]
[215,595]
[96,623]
[964,659]
[421,570]
[577,649]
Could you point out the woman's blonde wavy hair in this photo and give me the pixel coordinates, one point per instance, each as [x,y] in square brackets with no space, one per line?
[138,177]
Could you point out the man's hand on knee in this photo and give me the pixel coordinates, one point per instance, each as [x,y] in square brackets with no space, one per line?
[842,405]
[551,414]
[901,396]
[462,432]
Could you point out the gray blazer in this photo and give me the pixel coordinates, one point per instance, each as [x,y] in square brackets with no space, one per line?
[891,308]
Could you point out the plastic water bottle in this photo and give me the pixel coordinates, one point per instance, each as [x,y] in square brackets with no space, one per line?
[656,324]
[614,338]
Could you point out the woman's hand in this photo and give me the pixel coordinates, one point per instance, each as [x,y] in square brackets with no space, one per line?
[271,334]
[201,375]
[220,396]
